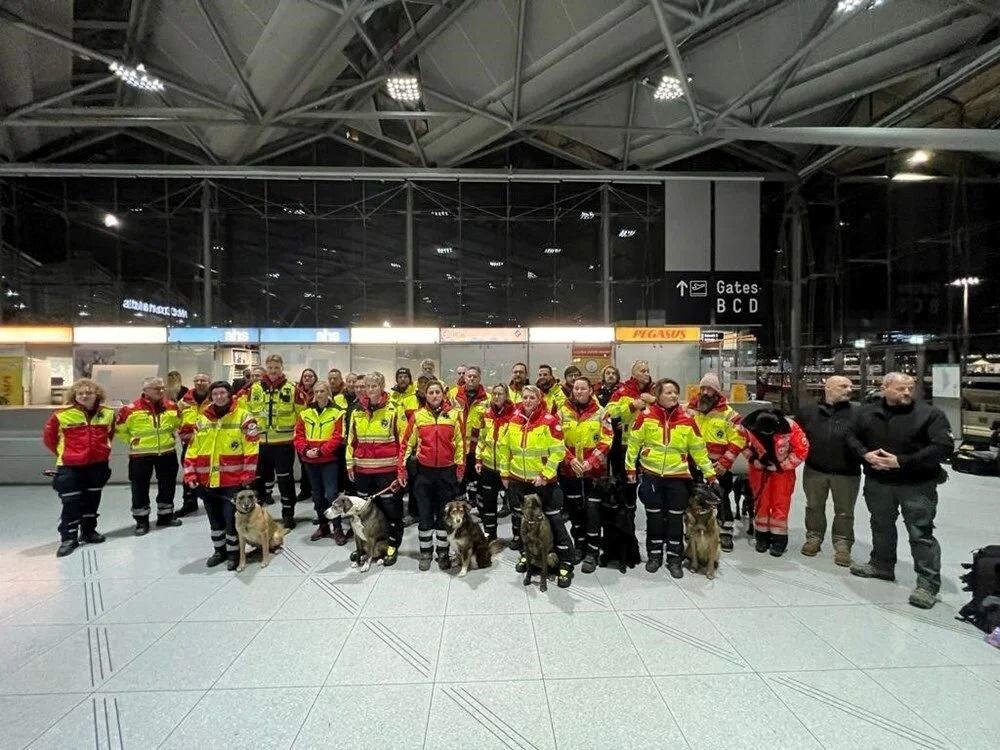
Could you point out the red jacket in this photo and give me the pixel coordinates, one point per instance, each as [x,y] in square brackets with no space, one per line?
[471,427]
[79,438]
[791,447]
[435,438]
[319,429]
[620,404]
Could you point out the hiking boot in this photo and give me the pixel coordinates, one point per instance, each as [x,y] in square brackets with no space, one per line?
[92,537]
[522,565]
[779,543]
[726,542]
[504,511]
[812,547]
[565,577]
[922,598]
[322,531]
[218,557]
[516,544]
[444,562]
[231,561]
[654,563]
[674,567]
[589,563]
[288,521]
[578,554]
[425,561]
[870,571]
[339,537]
[187,508]
[141,528]
[391,554]
[762,541]
[66,547]
[168,522]
[842,554]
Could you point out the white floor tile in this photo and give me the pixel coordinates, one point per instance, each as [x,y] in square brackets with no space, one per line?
[25,717]
[19,644]
[370,718]
[400,594]
[494,647]
[489,715]
[585,644]
[389,651]
[246,599]
[681,642]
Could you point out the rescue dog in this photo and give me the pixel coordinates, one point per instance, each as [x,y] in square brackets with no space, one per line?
[466,537]
[702,526]
[371,531]
[255,526]
[618,541]
[536,536]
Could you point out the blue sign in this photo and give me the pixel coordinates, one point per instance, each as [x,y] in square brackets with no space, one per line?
[304,335]
[235,336]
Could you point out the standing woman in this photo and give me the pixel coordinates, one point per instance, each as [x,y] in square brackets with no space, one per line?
[496,415]
[531,449]
[319,433]
[304,395]
[434,436]
[80,437]
[662,437]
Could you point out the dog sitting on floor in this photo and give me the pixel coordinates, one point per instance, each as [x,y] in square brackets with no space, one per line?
[371,530]
[618,541]
[255,526]
[536,536]
[702,528]
[466,537]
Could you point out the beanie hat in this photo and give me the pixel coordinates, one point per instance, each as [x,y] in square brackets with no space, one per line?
[404,371]
[711,380]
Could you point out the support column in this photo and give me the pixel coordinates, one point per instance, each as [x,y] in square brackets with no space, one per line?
[409,253]
[795,324]
[605,254]
[206,253]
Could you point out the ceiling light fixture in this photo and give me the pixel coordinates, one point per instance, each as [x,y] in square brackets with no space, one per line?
[849,6]
[669,89]
[111,221]
[496,263]
[439,212]
[532,275]
[394,264]
[553,250]
[626,233]
[445,250]
[911,177]
[587,215]
[918,157]
[403,88]
[966,281]
[136,77]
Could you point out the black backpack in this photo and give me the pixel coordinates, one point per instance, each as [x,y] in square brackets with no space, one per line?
[983,580]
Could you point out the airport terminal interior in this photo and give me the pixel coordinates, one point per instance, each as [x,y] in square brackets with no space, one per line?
[563,374]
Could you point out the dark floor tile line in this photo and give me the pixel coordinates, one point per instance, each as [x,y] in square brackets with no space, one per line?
[816,589]
[490,713]
[100,594]
[90,654]
[118,724]
[86,602]
[402,643]
[686,639]
[107,723]
[402,654]
[345,601]
[94,563]
[107,645]
[100,651]
[589,596]
[488,726]
[851,709]
[97,733]
[928,620]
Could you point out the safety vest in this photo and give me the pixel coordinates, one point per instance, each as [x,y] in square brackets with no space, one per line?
[435,439]
[588,435]
[531,446]
[319,429]
[373,442]
[662,441]
[554,398]
[620,406]
[405,401]
[223,451]
[514,394]
[472,414]
[275,409]
[190,411]
[78,438]
[720,429]
[147,430]
[488,447]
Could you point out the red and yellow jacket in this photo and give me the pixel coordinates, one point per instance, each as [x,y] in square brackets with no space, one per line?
[488,447]
[373,440]
[620,405]
[514,394]
[405,401]
[223,451]
[149,429]
[720,429]
[588,435]
[275,405]
[791,447]
[662,441]
[319,428]
[553,398]
[531,446]
[78,437]
[435,438]
[472,414]
[191,409]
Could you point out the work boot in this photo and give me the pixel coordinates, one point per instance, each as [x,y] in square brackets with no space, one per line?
[589,563]
[867,570]
[812,546]
[674,566]
[66,547]
[654,563]
[408,520]
[922,598]
[425,561]
[391,553]
[504,510]
[322,530]
[516,544]
[303,496]
[726,542]
[578,553]
[339,537]
[91,536]
[763,541]
[288,519]
[842,554]
[565,577]
[168,522]
[218,557]
[444,562]
[779,543]
[231,561]
[522,565]
[141,527]
[189,507]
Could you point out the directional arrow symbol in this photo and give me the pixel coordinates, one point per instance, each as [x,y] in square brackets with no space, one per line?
[682,286]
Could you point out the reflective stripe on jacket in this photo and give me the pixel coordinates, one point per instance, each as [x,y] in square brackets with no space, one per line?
[472,414]
[720,429]
[588,435]
[78,438]
[435,438]
[531,446]
[223,450]
[275,407]
[405,401]
[488,447]
[149,429]
[319,428]
[662,441]
[373,442]
[553,398]
[190,411]
[620,406]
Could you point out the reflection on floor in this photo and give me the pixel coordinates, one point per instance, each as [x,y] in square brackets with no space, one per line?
[135,644]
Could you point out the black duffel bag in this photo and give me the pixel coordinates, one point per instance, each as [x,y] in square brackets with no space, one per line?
[983,580]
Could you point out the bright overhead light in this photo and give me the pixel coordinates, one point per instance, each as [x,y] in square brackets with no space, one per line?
[553,250]
[12,293]
[849,6]
[587,215]
[111,221]
[911,177]
[394,264]
[439,212]
[83,314]
[386,324]
[136,77]
[626,233]
[920,156]
[445,250]
[403,88]
[966,281]
[273,275]
[532,275]
[496,263]
[669,89]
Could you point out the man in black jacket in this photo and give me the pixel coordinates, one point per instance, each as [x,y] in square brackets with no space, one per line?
[831,468]
[902,444]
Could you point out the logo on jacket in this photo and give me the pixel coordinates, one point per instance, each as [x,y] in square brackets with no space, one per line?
[385,422]
[720,434]
[235,445]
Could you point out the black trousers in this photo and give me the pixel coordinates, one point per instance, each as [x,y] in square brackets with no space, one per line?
[489,490]
[79,488]
[726,506]
[470,480]
[221,517]
[187,494]
[584,506]
[390,504]
[432,489]
[666,500]
[140,475]
[275,461]
[551,506]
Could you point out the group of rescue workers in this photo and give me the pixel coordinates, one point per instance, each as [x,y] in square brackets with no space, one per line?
[433,442]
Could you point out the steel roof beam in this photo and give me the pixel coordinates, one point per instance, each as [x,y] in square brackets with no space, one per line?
[42,103]
[213,27]
[522,10]
[676,62]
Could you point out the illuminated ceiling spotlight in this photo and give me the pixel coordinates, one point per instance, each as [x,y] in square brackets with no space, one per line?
[669,89]
[918,157]
[848,6]
[445,250]
[553,250]
[587,215]
[136,77]
[626,233]
[403,88]
[111,221]
[439,212]
[496,263]
[911,177]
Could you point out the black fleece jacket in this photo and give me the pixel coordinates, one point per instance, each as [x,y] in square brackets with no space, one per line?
[828,428]
[918,434]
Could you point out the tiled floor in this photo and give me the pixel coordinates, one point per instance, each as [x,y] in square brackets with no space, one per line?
[135,644]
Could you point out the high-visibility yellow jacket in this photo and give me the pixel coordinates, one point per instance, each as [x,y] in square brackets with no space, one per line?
[471,409]
[620,405]
[435,438]
[514,394]
[488,447]
[375,432]
[78,437]
[406,401]
[191,409]
[587,433]
[720,429]
[149,429]
[319,428]
[553,398]
[223,451]
[275,406]
[531,446]
[662,441]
